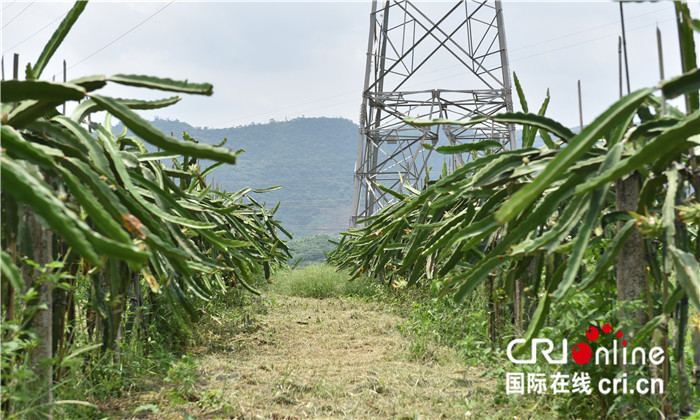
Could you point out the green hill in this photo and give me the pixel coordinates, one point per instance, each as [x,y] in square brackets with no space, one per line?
[311,249]
[311,158]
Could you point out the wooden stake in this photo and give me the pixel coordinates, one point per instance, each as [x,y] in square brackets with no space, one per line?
[619,62]
[64,81]
[15,74]
[15,67]
[684,67]
[661,53]
[661,69]
[580,107]
[624,49]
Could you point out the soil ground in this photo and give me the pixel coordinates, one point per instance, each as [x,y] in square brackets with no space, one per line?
[298,357]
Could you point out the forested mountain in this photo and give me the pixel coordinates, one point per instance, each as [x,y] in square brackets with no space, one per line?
[311,158]
[311,249]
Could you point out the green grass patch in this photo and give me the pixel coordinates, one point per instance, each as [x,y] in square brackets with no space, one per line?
[322,282]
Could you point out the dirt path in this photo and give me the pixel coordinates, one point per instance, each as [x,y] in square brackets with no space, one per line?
[328,358]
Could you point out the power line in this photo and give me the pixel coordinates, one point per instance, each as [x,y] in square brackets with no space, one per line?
[35,33]
[555,49]
[9,4]
[589,40]
[582,32]
[17,15]
[121,36]
[448,67]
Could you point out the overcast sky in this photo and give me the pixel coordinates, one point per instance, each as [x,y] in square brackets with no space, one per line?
[284,60]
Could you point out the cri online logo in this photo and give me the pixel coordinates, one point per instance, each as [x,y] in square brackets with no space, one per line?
[582,353]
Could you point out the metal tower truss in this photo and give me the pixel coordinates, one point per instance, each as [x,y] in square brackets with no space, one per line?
[451,64]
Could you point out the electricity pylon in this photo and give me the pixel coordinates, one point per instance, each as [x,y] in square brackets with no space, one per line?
[428,61]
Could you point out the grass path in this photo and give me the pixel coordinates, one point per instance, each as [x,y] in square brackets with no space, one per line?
[333,358]
[302,357]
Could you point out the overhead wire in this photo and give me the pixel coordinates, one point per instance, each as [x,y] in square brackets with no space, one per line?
[9,4]
[120,36]
[590,40]
[341,94]
[17,15]
[334,96]
[35,33]
[616,22]
[448,67]
[311,205]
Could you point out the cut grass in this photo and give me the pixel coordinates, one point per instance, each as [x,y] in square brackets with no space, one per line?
[317,346]
[324,358]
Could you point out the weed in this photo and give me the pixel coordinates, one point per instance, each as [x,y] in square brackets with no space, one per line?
[431,322]
[211,399]
[182,375]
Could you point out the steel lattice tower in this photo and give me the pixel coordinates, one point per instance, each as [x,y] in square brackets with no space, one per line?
[406,53]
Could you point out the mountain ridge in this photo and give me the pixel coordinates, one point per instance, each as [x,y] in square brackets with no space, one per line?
[313,159]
